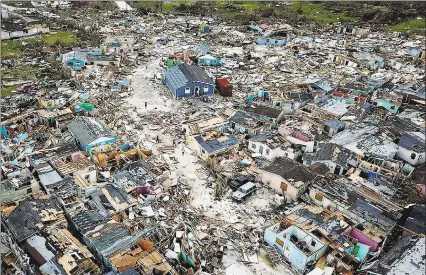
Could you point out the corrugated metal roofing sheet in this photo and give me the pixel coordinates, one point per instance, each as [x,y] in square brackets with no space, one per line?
[408,141]
[89,129]
[215,145]
[175,78]
[194,73]
[182,74]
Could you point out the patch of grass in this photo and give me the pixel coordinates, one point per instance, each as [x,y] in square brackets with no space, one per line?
[9,90]
[414,25]
[242,9]
[25,72]
[65,37]
[10,48]
[172,6]
[317,13]
[382,8]
[148,5]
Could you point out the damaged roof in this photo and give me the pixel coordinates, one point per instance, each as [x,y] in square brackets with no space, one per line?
[405,257]
[183,74]
[263,111]
[89,129]
[397,127]
[108,236]
[412,142]
[329,152]
[24,219]
[290,170]
[214,145]
[362,200]
[87,220]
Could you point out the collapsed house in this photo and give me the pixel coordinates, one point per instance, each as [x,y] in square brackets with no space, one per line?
[90,132]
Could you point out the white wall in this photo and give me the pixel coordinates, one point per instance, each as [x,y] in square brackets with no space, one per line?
[292,154]
[92,174]
[5,35]
[39,3]
[406,154]
[331,165]
[266,151]
[309,144]
[19,34]
[274,181]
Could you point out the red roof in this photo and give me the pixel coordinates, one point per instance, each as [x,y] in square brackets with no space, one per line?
[267,27]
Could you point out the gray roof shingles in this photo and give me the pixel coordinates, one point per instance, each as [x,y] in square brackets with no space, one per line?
[23,219]
[88,129]
[290,170]
[183,74]
[408,141]
[214,145]
[329,151]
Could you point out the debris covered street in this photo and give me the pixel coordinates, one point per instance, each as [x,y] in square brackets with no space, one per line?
[142,142]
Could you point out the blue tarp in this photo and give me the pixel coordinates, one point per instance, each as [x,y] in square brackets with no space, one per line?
[124,147]
[255,27]
[415,52]
[250,98]
[245,162]
[21,137]
[4,132]
[362,251]
[14,162]
[122,83]
[84,96]
[30,147]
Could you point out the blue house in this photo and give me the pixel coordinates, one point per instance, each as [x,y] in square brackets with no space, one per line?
[298,246]
[209,60]
[186,80]
[76,59]
[90,132]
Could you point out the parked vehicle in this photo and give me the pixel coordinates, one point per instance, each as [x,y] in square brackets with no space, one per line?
[52,15]
[27,88]
[49,84]
[237,182]
[244,191]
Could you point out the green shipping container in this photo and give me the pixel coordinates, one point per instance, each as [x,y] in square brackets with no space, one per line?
[87,106]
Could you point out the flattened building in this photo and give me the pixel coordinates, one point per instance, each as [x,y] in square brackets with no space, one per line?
[90,132]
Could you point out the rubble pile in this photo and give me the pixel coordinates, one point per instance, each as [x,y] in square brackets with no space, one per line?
[199,146]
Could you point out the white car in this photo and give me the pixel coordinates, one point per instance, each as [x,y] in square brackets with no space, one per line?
[244,191]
